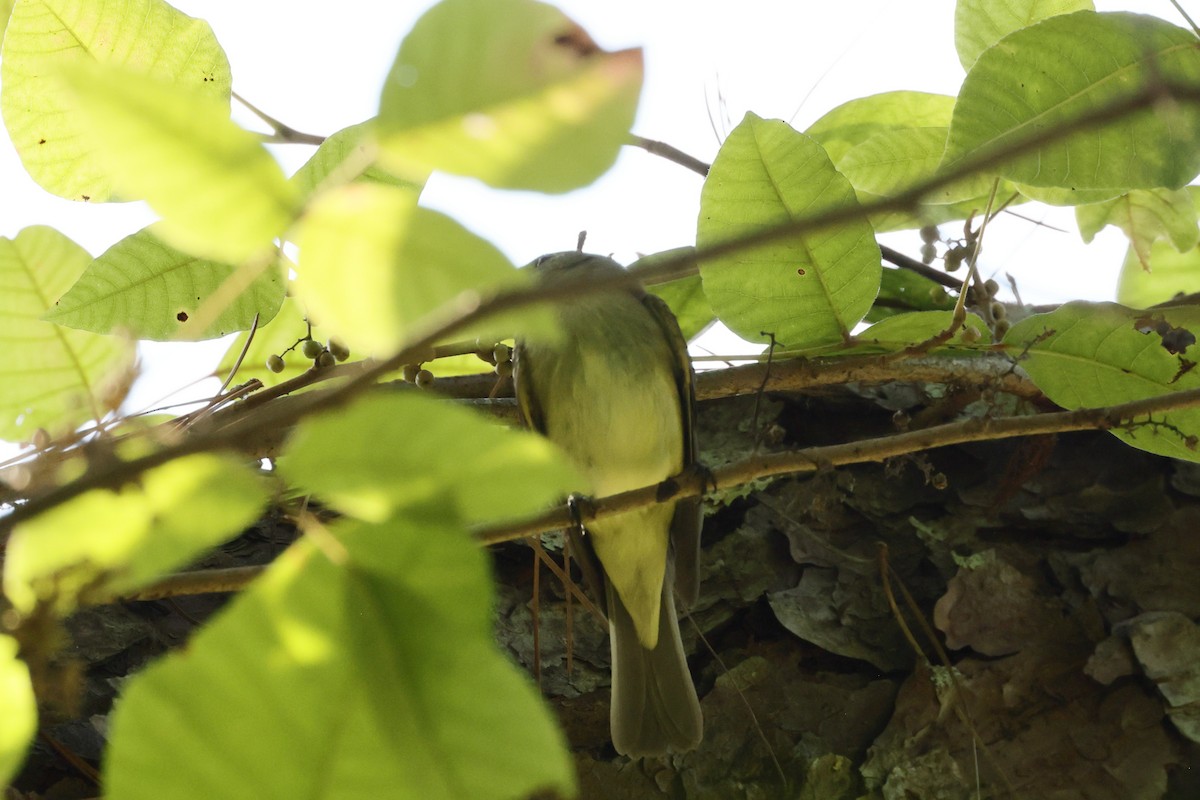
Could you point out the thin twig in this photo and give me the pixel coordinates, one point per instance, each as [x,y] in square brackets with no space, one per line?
[281,133]
[899,259]
[672,154]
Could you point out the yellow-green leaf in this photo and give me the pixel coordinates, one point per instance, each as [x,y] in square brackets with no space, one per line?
[105,542]
[399,450]
[372,676]
[146,287]
[146,37]
[508,91]
[346,155]
[18,723]
[978,24]
[373,264]
[1039,79]
[51,377]
[220,193]
[1145,215]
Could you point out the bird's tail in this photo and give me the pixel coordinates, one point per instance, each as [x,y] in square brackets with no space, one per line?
[654,703]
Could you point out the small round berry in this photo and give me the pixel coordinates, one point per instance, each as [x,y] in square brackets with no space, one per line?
[275,363]
[339,350]
[409,371]
[325,359]
[312,348]
[424,379]
[930,234]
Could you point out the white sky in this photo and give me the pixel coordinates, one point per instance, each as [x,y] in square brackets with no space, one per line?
[319,69]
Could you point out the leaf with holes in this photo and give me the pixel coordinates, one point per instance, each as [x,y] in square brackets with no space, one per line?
[144,286]
[146,37]
[1088,355]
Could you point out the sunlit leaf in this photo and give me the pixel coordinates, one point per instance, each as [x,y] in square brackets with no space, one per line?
[1145,215]
[892,161]
[508,91]
[1171,273]
[395,451]
[373,677]
[1086,355]
[220,193]
[893,138]
[373,264]
[856,121]
[105,542]
[144,286]
[51,377]
[346,155]
[1060,196]
[808,289]
[1040,78]
[978,24]
[18,723]
[58,145]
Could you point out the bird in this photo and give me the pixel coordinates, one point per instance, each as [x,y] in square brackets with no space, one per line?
[615,392]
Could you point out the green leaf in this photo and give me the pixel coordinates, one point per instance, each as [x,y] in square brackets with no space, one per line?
[345,156]
[364,678]
[896,160]
[684,296]
[979,24]
[1086,355]
[902,290]
[18,723]
[395,451]
[1040,78]
[144,286]
[1171,273]
[809,289]
[6,7]
[508,91]
[221,194]
[105,542]
[431,661]
[1058,196]
[856,121]
[373,265]
[147,37]
[893,137]
[901,331]
[1146,215]
[51,377]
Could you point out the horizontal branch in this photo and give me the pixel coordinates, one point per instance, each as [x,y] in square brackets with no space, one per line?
[812,459]
[795,462]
